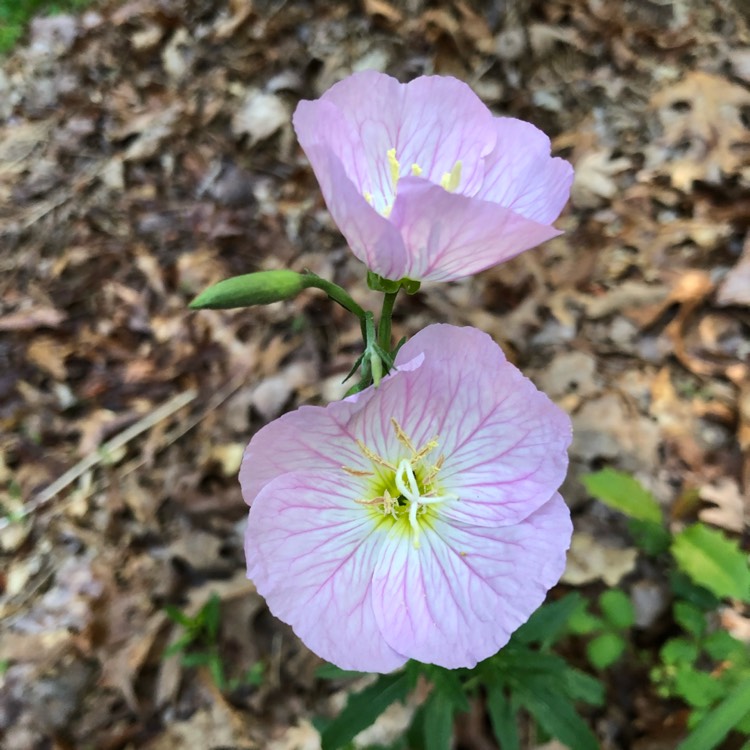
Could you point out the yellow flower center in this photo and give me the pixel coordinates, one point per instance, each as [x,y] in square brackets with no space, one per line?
[403,492]
[449,181]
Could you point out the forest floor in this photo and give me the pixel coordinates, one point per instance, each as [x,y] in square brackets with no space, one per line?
[146,152]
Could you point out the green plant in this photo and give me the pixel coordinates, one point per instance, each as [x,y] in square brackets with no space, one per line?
[608,630]
[199,645]
[705,667]
[16,14]
[523,677]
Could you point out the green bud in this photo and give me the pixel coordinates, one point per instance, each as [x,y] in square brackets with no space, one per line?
[261,288]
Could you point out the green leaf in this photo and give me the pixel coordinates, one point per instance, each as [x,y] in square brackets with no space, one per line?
[690,618]
[261,288]
[713,561]
[624,493]
[721,646]
[684,588]
[178,616]
[197,659]
[617,608]
[447,683]
[503,719]
[715,726]
[696,688]
[332,672]
[582,622]
[557,716]
[210,616]
[580,686]
[605,650]
[548,623]
[679,651]
[438,721]
[650,536]
[179,645]
[363,708]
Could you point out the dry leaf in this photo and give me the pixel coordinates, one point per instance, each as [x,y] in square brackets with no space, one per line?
[589,560]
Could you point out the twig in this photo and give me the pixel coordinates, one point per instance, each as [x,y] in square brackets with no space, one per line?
[101,453]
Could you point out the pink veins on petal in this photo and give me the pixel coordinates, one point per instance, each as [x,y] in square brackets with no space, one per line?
[421,519]
[423,182]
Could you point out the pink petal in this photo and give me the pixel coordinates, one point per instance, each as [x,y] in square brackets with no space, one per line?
[335,154]
[311,552]
[448,236]
[433,121]
[457,599]
[312,437]
[521,176]
[505,442]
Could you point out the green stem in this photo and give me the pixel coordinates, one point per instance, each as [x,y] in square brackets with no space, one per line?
[336,293]
[384,326]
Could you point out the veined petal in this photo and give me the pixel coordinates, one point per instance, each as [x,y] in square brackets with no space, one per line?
[448,236]
[520,174]
[432,121]
[457,599]
[505,443]
[311,552]
[310,438]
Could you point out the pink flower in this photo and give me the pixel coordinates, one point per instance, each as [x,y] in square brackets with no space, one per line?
[423,182]
[419,520]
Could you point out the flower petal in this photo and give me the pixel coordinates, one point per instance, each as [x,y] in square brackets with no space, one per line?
[432,121]
[521,175]
[505,443]
[457,599]
[335,155]
[449,236]
[312,437]
[311,552]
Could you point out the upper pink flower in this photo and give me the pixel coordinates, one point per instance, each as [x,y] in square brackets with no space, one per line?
[419,519]
[423,182]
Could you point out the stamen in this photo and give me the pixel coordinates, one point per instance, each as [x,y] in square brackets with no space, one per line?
[394,166]
[368,196]
[402,437]
[374,457]
[416,170]
[357,472]
[451,179]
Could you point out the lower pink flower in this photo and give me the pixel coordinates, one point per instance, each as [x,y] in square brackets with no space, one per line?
[419,520]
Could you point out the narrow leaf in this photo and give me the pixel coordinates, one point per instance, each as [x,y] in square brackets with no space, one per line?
[503,719]
[363,708]
[558,717]
[624,493]
[715,726]
[547,624]
[438,721]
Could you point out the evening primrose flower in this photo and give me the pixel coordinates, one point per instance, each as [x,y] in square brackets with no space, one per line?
[423,182]
[416,520]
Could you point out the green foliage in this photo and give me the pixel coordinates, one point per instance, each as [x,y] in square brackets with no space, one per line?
[713,561]
[624,493]
[706,668]
[199,645]
[609,642]
[16,14]
[522,676]
[364,707]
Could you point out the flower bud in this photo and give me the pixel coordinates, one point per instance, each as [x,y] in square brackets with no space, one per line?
[261,288]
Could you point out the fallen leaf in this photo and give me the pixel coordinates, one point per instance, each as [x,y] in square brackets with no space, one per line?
[589,560]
